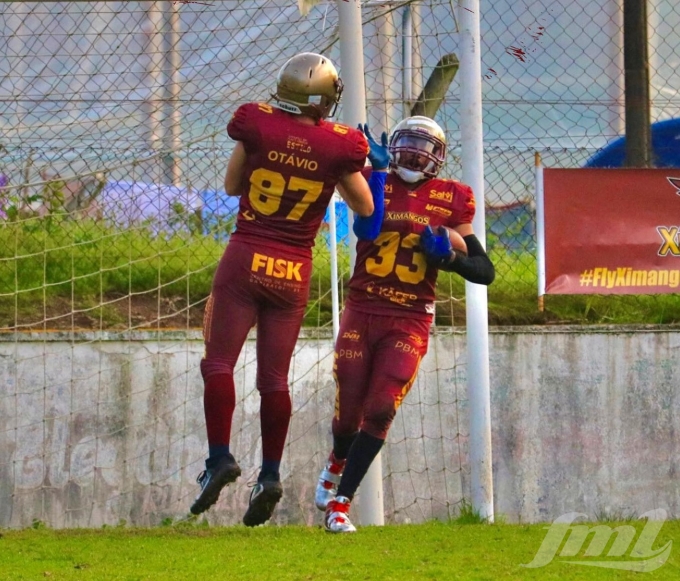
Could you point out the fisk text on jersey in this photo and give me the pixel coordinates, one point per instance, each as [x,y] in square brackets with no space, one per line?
[276,267]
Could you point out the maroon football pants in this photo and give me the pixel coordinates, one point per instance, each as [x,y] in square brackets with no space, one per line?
[376,362]
[261,286]
[256,285]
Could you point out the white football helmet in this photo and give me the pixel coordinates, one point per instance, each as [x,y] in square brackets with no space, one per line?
[417,149]
[308,84]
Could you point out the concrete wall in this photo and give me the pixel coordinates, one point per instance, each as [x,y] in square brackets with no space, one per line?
[102,429]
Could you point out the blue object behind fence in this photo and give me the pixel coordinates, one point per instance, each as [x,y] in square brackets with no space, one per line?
[341,223]
[665,147]
[219,213]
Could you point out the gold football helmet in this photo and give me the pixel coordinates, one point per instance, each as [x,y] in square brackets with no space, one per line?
[417,148]
[308,84]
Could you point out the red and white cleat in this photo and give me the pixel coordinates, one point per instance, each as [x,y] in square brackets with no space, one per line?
[327,486]
[337,516]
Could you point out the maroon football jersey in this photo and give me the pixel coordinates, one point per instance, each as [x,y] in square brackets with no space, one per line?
[291,172]
[391,275]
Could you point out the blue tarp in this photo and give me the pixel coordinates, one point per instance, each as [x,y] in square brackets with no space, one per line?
[665,147]
[125,203]
[121,203]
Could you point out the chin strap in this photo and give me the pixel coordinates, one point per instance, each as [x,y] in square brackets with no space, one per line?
[410,176]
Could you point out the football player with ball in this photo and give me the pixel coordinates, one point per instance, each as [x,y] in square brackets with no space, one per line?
[287,162]
[384,330]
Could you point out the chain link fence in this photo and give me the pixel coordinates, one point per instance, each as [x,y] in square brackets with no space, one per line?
[113,218]
[113,144]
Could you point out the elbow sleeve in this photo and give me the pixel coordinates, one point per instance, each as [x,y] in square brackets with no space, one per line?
[476,267]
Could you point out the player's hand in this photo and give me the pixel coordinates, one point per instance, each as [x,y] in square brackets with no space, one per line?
[437,247]
[378,154]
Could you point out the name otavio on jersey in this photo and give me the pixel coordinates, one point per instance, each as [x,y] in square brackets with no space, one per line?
[291,159]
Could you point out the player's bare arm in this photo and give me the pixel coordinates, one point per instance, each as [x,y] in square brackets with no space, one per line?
[235,170]
[354,189]
[464,230]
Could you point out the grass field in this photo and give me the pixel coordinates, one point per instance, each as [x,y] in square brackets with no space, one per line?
[435,550]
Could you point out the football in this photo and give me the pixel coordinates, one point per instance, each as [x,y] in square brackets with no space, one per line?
[457,242]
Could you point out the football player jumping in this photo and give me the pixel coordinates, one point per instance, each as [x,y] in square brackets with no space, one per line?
[285,165]
[383,336]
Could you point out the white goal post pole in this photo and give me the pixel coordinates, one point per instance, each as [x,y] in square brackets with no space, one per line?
[370,505]
[174,92]
[540,228]
[472,157]
[333,248]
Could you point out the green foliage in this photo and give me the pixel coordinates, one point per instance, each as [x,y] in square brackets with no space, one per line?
[608,515]
[51,200]
[468,515]
[95,268]
[183,217]
[89,258]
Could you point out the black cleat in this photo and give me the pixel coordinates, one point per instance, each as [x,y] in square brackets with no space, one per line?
[263,499]
[212,481]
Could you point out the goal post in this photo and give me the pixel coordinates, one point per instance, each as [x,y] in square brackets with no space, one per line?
[472,157]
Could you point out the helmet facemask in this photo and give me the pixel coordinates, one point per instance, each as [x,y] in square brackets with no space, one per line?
[417,149]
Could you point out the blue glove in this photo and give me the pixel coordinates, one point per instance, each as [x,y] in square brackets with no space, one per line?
[378,154]
[437,247]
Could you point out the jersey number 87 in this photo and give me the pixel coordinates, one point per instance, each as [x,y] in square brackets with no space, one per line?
[267,188]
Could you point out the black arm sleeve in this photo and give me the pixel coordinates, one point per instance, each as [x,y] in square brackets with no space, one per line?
[476,266]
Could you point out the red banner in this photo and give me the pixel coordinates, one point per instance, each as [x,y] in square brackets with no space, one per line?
[612,231]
